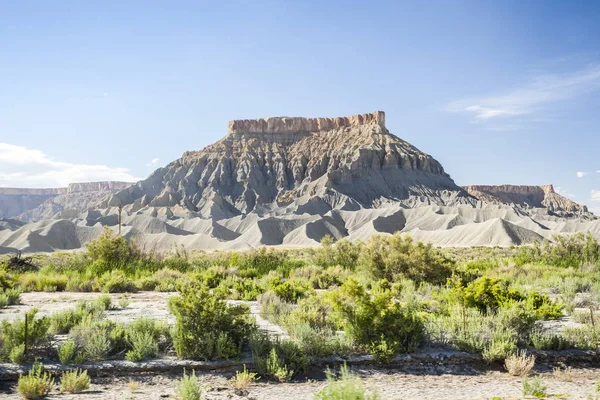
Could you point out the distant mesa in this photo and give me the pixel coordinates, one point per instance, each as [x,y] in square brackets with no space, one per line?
[290,181]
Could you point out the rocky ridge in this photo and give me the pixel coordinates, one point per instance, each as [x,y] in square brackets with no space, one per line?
[528,197]
[289,182]
[36,204]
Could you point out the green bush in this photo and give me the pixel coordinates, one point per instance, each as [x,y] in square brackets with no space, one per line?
[143,344]
[347,387]
[74,381]
[206,326]
[534,387]
[17,355]
[396,256]
[109,249]
[13,335]
[343,253]
[36,384]
[376,318]
[115,281]
[67,352]
[292,290]
[277,359]
[189,388]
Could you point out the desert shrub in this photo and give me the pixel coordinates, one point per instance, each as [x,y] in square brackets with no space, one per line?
[343,253]
[273,308]
[13,335]
[211,277]
[80,284]
[313,311]
[347,387]
[396,256]
[63,321]
[189,388]
[564,251]
[115,281]
[489,294]
[534,387]
[110,249]
[519,364]
[317,342]
[586,337]
[241,288]
[143,344]
[43,281]
[329,277]
[277,359]
[92,338]
[260,260]
[376,317]
[10,297]
[502,344]
[17,355]
[243,379]
[206,326]
[67,352]
[541,340]
[36,384]
[292,290]
[74,381]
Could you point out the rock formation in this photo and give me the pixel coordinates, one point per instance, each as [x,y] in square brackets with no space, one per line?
[291,181]
[541,197]
[37,204]
[301,165]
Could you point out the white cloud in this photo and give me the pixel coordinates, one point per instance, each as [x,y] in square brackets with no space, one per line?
[595,195]
[153,162]
[24,167]
[581,174]
[532,96]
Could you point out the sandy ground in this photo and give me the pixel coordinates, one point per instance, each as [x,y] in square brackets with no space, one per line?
[433,382]
[141,304]
[394,384]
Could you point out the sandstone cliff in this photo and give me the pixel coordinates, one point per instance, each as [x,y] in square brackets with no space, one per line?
[543,197]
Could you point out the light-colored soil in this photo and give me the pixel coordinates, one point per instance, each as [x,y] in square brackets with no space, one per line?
[579,384]
[433,382]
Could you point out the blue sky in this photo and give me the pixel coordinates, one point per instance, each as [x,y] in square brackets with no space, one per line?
[498,92]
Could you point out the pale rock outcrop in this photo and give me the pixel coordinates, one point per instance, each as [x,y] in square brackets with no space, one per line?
[542,197]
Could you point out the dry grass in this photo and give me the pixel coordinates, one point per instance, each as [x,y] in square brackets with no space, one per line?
[519,364]
[243,379]
[133,385]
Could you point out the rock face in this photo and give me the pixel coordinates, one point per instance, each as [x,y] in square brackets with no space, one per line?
[300,165]
[37,204]
[542,197]
[289,182]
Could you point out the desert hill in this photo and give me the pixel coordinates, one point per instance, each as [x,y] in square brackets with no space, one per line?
[289,182]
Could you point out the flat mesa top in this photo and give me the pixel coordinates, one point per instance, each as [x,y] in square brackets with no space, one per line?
[301,124]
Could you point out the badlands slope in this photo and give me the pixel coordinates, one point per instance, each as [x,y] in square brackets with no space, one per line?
[291,181]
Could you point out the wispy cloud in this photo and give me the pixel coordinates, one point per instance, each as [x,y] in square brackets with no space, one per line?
[581,174]
[153,162]
[25,167]
[595,195]
[532,96]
